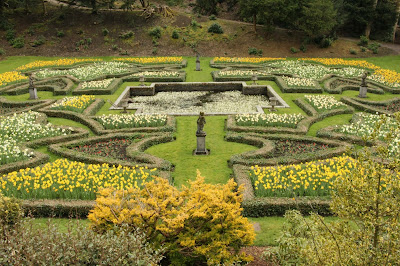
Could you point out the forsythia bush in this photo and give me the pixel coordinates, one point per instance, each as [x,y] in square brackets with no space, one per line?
[198,222]
[10,211]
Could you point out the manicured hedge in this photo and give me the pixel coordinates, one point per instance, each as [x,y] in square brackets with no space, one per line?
[354,85]
[26,105]
[263,157]
[134,151]
[369,106]
[48,84]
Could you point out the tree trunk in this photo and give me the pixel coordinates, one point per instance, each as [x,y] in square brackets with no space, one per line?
[255,22]
[44,8]
[1,7]
[369,24]
[397,19]
[94,6]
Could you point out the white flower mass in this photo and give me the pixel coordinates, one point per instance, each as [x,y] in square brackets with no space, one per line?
[231,102]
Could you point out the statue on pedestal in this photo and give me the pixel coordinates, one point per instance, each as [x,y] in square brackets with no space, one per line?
[200,123]
[32,89]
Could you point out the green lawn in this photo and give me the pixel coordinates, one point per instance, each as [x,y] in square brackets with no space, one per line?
[213,167]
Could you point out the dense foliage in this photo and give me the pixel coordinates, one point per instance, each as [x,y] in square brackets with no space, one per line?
[201,222]
[30,245]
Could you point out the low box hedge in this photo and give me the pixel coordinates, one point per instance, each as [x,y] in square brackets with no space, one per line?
[134,151]
[369,106]
[263,155]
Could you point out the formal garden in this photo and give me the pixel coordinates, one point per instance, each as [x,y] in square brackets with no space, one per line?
[80,151]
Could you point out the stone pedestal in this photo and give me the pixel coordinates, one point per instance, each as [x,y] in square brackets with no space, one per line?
[33,93]
[198,65]
[201,145]
[363,92]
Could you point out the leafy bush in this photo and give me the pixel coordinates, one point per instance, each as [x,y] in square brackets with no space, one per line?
[18,42]
[60,33]
[326,42]
[41,40]
[2,52]
[175,34]
[303,48]
[352,51]
[363,41]
[10,211]
[105,31]
[374,47]
[363,49]
[212,17]
[10,35]
[155,32]
[194,23]
[293,50]
[126,35]
[154,51]
[201,221]
[216,28]
[29,245]
[88,41]
[255,51]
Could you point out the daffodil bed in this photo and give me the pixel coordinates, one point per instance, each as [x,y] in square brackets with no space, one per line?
[307,179]
[64,179]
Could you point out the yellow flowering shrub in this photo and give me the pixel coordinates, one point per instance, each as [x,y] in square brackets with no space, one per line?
[246,60]
[307,179]
[201,221]
[56,63]
[151,60]
[71,180]
[11,77]
[10,211]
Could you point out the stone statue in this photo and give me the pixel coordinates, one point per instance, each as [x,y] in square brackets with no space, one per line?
[363,79]
[31,82]
[200,123]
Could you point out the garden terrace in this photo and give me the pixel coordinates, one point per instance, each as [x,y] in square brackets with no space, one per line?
[287,138]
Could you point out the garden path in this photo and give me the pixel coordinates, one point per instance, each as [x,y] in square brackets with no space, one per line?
[213,167]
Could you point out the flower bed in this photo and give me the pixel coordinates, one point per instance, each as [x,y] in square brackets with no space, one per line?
[269,120]
[87,72]
[241,73]
[298,82]
[387,77]
[112,148]
[323,103]
[20,128]
[75,104]
[293,147]
[131,121]
[157,74]
[11,77]
[96,84]
[56,63]
[151,60]
[308,179]
[194,102]
[70,180]
[245,60]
